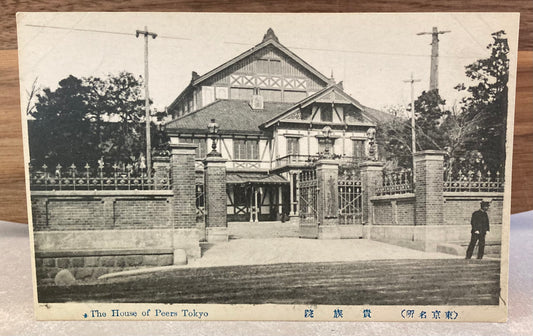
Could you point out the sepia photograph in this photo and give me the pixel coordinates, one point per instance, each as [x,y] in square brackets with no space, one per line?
[310,167]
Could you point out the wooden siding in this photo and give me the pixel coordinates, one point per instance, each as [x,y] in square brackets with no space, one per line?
[289,70]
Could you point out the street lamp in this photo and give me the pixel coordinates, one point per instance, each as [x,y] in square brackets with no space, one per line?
[212,129]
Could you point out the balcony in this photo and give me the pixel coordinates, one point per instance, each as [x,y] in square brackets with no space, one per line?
[301,161]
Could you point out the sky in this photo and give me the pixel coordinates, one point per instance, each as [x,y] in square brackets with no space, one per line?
[371,53]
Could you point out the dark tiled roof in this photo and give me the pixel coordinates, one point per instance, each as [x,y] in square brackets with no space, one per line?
[232,116]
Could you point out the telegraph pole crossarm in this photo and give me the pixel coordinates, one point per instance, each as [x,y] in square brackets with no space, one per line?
[146,34]
[413,125]
[434,74]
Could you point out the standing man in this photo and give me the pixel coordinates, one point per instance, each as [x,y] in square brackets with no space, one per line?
[480,226]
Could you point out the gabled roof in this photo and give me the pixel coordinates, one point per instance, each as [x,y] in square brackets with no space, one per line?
[332,93]
[232,116]
[269,39]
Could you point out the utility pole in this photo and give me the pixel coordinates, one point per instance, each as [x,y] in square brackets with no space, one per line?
[413,125]
[146,34]
[434,74]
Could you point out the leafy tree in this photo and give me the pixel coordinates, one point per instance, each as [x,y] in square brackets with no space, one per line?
[88,119]
[118,116]
[429,113]
[472,133]
[61,129]
[394,136]
[486,106]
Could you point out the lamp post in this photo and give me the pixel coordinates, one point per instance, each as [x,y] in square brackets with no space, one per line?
[212,129]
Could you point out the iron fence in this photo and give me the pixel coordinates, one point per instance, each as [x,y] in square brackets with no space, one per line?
[98,178]
[400,182]
[473,182]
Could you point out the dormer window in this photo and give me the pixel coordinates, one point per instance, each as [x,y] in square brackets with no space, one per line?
[326,113]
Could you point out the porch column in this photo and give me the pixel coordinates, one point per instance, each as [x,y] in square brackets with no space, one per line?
[280,201]
[291,198]
[327,172]
[297,205]
[215,199]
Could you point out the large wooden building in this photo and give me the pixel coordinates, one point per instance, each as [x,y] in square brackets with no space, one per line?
[273,110]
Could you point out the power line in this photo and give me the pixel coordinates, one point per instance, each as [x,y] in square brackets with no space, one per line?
[251,44]
[361,51]
[105,32]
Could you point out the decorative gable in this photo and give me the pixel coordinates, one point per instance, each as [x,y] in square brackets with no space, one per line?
[268,69]
[295,115]
[330,105]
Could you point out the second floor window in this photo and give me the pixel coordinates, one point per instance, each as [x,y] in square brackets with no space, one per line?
[245,149]
[201,150]
[293,146]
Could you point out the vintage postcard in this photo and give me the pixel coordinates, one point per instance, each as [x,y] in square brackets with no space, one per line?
[302,167]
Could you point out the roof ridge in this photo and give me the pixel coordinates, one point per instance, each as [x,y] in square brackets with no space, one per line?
[268,39]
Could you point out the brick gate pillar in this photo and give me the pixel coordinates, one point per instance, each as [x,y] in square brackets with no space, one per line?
[371,179]
[161,166]
[327,173]
[185,234]
[215,199]
[429,195]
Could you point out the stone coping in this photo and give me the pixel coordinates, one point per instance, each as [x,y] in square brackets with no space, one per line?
[393,197]
[474,194]
[98,253]
[102,193]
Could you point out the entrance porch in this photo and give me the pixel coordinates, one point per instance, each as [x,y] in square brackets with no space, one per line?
[257,197]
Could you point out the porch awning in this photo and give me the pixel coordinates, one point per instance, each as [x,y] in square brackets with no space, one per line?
[256,178]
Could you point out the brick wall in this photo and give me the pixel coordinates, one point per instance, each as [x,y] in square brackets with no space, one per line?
[382,213]
[458,207]
[81,210]
[406,212]
[75,214]
[394,209]
[143,213]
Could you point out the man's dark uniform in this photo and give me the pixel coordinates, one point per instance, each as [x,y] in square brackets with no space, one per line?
[480,223]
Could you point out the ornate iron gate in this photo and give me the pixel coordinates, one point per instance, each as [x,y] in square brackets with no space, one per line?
[200,203]
[308,200]
[350,200]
